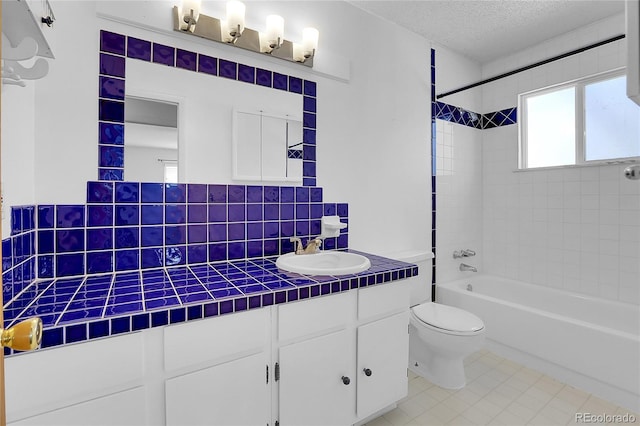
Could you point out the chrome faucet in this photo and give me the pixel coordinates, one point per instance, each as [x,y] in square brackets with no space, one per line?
[465,267]
[312,245]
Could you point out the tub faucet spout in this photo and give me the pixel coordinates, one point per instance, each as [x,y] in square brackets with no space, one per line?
[465,267]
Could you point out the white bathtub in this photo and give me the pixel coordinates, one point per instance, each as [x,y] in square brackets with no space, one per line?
[589,343]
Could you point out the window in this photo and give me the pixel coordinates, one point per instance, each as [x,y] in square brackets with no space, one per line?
[585,121]
[170,171]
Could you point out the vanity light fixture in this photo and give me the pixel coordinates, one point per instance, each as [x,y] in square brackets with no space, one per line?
[232,31]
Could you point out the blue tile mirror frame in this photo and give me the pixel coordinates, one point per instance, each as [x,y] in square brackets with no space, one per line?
[117,49]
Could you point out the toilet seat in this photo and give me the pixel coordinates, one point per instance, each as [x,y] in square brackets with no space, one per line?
[449,319]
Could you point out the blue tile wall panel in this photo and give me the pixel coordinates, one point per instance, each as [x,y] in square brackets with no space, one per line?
[130,226]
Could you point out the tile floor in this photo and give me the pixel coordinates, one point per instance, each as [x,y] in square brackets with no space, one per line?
[498,392]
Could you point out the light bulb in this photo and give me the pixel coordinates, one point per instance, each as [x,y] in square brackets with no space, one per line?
[235,18]
[309,41]
[275,31]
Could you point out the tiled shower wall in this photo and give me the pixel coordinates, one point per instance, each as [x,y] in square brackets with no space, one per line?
[570,228]
[459,197]
[576,229]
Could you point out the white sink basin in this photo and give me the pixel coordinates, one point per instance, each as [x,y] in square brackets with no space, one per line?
[324,263]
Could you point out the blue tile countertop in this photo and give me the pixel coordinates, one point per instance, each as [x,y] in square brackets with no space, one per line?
[75,309]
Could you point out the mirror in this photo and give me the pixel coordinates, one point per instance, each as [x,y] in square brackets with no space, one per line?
[206,108]
[267,147]
[151,142]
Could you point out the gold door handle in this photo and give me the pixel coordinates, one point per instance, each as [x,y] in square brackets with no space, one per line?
[24,336]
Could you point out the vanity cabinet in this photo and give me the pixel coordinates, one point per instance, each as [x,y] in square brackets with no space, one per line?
[355,363]
[336,359]
[322,372]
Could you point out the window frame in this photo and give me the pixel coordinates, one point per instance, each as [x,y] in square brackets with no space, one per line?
[579,114]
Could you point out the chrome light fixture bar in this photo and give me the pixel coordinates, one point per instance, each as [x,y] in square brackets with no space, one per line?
[232,31]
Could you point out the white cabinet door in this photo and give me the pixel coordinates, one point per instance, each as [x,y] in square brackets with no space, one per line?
[123,408]
[233,393]
[317,386]
[69,375]
[383,351]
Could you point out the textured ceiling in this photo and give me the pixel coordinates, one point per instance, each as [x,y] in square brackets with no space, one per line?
[485,30]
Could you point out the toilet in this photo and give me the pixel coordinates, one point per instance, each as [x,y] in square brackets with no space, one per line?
[440,336]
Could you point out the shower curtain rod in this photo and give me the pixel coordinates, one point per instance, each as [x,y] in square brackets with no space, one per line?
[528,67]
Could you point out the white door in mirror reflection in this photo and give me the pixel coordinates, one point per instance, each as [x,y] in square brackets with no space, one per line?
[151,140]
[267,147]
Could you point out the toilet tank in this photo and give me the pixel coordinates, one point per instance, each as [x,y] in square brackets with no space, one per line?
[420,285]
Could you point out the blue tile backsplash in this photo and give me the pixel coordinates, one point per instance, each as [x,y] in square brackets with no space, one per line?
[131,225]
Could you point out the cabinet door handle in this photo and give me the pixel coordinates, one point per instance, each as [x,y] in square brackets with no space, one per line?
[346,380]
[367,372]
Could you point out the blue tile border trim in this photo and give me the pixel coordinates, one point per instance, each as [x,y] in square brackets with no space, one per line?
[500,118]
[457,115]
[97,306]
[433,173]
[446,112]
[116,49]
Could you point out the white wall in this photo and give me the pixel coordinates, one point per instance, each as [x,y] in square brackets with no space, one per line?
[66,107]
[373,127]
[571,228]
[147,164]
[18,174]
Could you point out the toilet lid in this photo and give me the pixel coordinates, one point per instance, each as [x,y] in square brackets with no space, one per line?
[447,317]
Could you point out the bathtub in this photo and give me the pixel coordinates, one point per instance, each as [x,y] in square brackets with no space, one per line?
[589,343]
